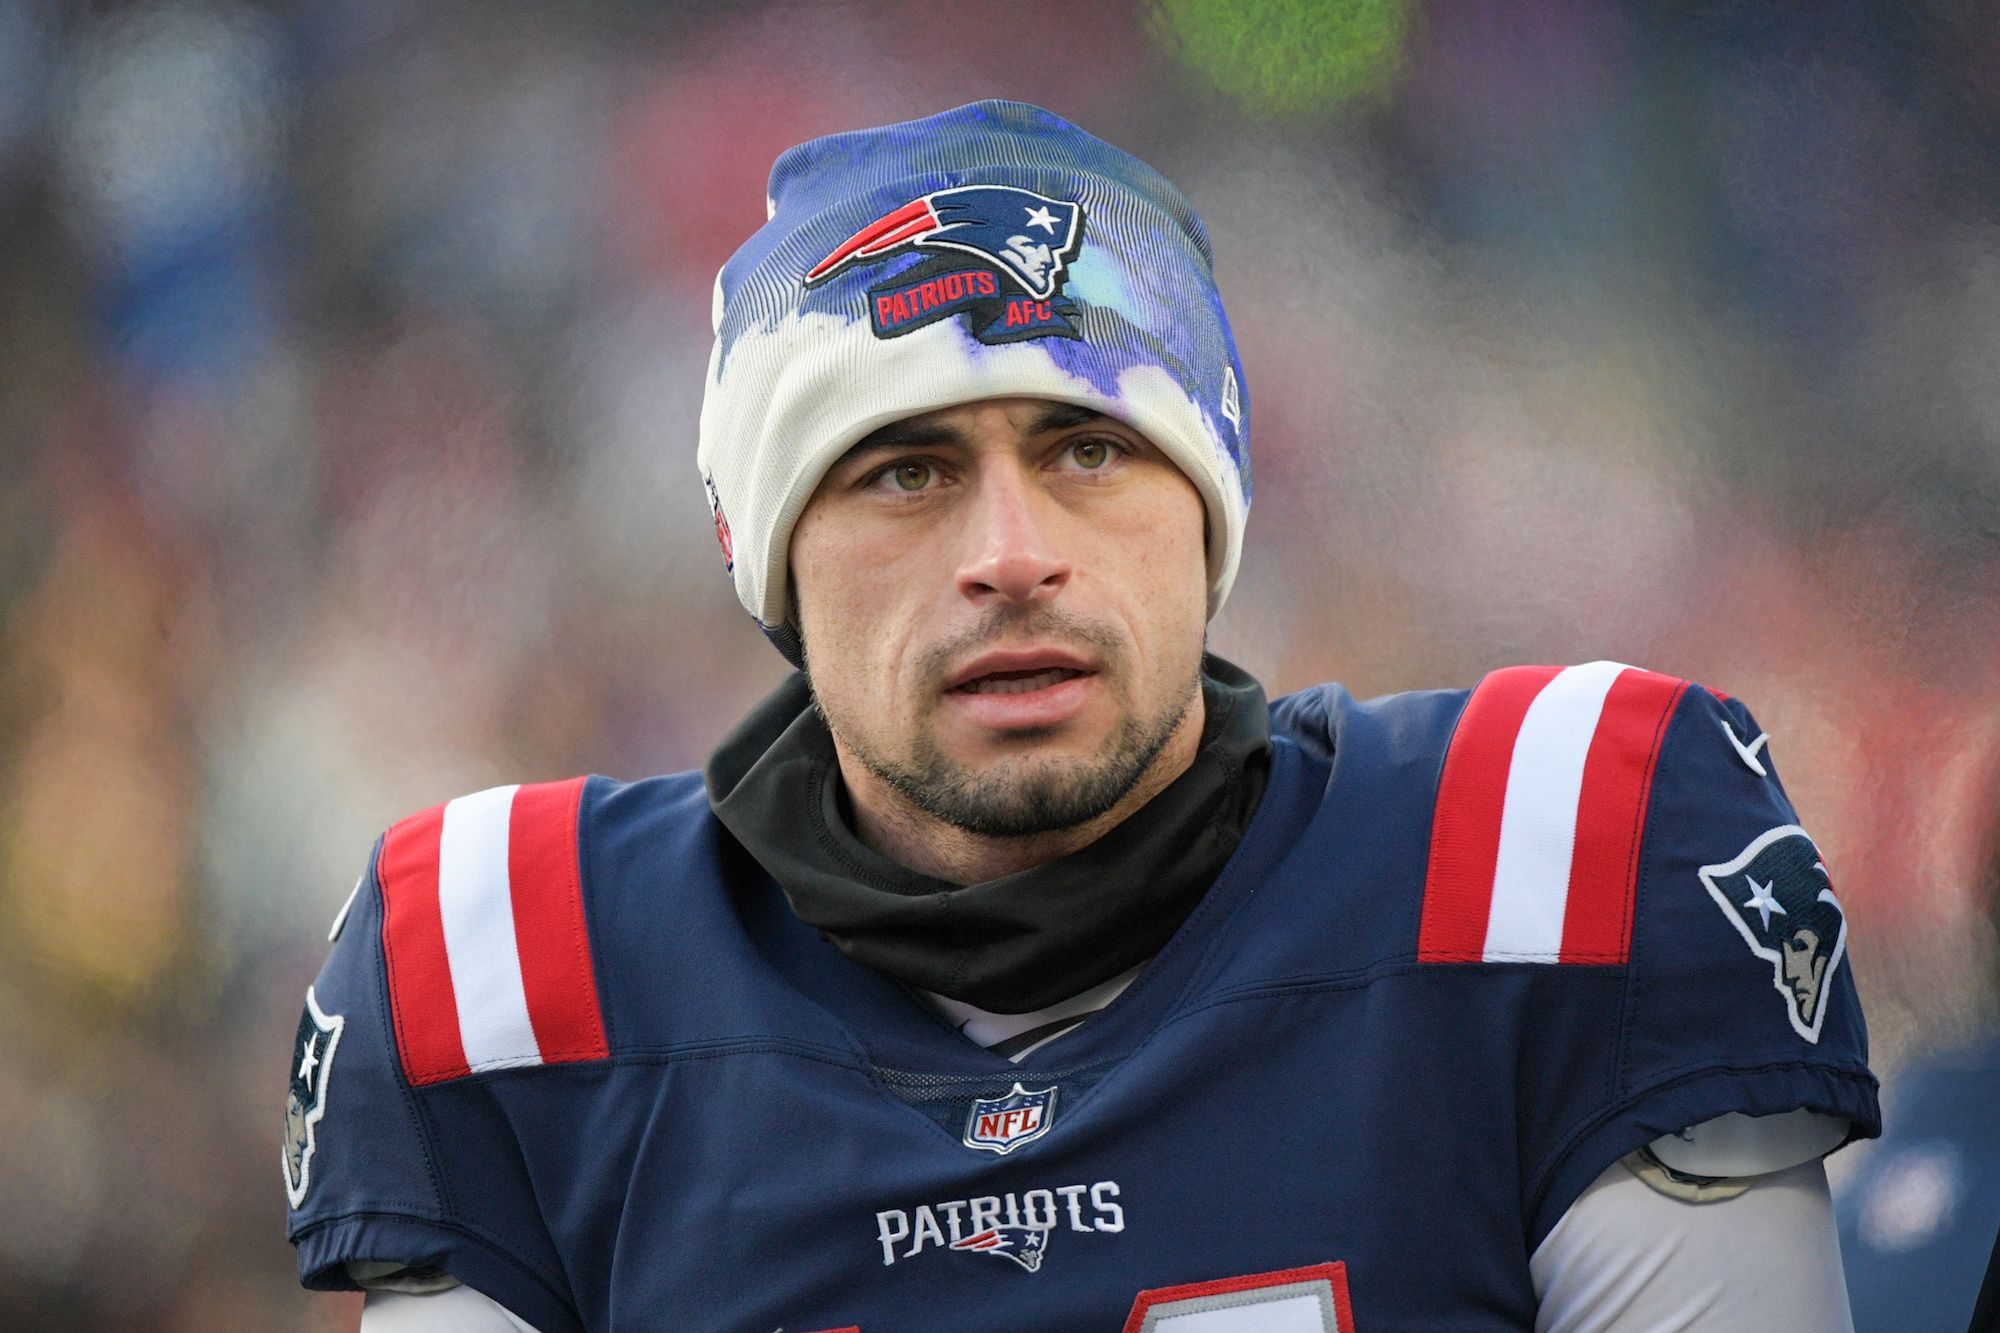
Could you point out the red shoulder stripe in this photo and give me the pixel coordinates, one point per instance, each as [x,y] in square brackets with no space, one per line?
[556,971]
[422,1003]
[1465,829]
[1611,816]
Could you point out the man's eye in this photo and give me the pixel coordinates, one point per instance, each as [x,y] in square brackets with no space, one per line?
[911,476]
[1091,454]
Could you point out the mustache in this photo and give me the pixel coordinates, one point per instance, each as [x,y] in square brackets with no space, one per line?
[1010,622]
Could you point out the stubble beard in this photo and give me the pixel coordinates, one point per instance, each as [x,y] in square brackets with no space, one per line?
[1026,796]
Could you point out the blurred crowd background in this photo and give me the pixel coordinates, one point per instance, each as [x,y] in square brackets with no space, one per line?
[350,359]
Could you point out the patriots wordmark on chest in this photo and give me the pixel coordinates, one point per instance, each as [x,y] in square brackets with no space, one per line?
[1016,1225]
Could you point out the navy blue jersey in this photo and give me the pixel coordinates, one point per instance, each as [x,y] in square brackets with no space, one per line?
[573,1046]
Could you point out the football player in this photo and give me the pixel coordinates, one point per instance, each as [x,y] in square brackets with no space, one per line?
[1017,965]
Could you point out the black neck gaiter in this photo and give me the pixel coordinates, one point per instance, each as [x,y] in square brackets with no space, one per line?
[1009,945]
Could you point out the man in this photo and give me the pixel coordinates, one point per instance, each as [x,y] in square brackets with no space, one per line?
[1016,965]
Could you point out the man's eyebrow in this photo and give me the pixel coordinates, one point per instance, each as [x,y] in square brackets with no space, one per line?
[903,435]
[1063,416]
[931,435]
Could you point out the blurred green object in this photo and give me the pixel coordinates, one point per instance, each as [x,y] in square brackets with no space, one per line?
[1287,57]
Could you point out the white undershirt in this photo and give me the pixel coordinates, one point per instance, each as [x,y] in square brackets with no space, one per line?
[1625,1256]
[458,1310]
[989,1029]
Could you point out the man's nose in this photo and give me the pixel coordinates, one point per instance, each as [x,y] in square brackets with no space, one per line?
[1013,544]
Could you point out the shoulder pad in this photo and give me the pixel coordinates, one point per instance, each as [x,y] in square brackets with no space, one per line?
[483,935]
[1534,849]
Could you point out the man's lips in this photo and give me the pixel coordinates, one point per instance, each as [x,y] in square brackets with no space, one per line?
[1022,688]
[1018,671]
[1021,682]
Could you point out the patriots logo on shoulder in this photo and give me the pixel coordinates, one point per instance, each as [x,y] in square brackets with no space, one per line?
[1024,1245]
[1004,252]
[1778,895]
[312,1066]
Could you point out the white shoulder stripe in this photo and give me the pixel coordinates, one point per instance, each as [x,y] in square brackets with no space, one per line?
[1538,823]
[476,901]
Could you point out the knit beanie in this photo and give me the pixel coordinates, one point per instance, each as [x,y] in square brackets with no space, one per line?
[990,251]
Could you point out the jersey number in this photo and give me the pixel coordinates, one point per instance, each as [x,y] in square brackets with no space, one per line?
[1296,1300]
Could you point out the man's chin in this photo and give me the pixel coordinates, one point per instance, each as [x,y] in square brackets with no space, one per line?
[1026,752]
[1021,799]
[1027,785]
[1023,781]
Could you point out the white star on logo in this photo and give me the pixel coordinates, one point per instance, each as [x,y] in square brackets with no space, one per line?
[1761,899]
[311,1061]
[1041,217]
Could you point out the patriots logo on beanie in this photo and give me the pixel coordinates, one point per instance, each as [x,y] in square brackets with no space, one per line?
[1005,250]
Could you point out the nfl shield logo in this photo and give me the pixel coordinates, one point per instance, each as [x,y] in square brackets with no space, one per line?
[1002,1124]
